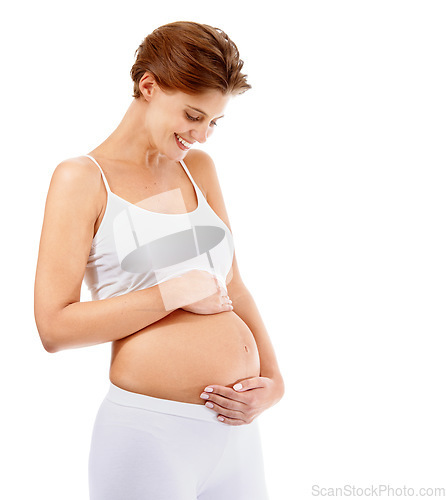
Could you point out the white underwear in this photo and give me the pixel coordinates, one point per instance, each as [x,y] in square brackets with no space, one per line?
[146,448]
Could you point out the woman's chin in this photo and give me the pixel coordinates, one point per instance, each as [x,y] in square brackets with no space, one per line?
[176,155]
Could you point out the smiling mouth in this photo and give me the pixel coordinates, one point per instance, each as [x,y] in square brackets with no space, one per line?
[182,142]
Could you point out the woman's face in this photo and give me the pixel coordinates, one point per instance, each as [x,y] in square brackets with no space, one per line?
[175,121]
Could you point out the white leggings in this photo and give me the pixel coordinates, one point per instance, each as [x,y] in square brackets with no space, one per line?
[146,448]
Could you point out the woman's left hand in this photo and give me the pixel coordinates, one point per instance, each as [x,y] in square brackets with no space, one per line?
[242,403]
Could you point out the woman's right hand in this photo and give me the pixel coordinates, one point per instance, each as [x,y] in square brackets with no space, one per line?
[212,303]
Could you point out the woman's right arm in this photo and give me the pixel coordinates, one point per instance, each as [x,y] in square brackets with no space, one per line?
[63,322]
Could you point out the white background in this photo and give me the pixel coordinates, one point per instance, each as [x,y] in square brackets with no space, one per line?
[333,173]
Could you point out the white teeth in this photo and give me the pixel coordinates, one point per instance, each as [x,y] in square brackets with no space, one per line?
[185,143]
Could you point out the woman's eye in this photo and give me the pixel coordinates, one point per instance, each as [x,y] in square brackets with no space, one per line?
[196,118]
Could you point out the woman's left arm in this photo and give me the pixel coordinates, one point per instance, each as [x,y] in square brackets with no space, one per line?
[239,405]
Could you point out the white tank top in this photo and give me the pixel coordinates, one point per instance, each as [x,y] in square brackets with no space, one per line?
[135,248]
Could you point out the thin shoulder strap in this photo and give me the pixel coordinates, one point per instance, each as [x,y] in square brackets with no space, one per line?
[188,173]
[102,172]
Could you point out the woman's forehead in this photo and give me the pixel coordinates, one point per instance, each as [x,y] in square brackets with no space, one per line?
[208,104]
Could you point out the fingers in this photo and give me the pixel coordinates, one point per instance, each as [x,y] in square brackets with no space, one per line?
[225,405]
[223,292]
[241,403]
[226,392]
[225,411]
[222,402]
[230,411]
[232,421]
[250,383]
[225,301]
[230,416]
[217,284]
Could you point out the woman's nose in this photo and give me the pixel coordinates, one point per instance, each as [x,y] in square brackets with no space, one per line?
[201,134]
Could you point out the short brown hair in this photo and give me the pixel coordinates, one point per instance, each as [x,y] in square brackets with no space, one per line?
[190,57]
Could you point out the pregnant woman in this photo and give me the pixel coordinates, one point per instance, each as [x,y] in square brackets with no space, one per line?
[141,221]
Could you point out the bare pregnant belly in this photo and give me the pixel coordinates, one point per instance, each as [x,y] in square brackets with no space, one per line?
[179,355]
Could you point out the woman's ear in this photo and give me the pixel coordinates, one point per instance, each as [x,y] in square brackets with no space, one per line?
[147,83]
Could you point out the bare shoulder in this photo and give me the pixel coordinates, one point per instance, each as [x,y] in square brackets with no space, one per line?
[198,157]
[76,190]
[202,168]
[78,170]
[78,177]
